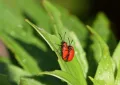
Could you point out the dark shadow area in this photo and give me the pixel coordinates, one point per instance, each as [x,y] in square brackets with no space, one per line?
[92,64]
[44,79]
[112,9]
[47,60]
[112,43]
[26,16]
[4,70]
[12,58]
[115,73]
[3,66]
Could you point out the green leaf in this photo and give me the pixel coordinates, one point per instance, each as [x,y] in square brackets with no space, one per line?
[97,82]
[63,76]
[5,59]
[116,59]
[80,54]
[15,73]
[102,26]
[103,45]
[18,29]
[72,23]
[93,52]
[116,55]
[36,12]
[29,81]
[33,10]
[24,59]
[23,34]
[46,36]
[72,67]
[68,21]
[55,15]
[4,80]
[105,71]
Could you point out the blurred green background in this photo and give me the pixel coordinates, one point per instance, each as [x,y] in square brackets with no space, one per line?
[87,9]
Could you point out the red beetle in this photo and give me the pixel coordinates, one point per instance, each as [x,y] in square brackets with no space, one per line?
[70,53]
[66,51]
[64,47]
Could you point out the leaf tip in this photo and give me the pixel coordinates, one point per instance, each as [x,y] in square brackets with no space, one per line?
[87,26]
[90,29]
[44,2]
[90,78]
[26,20]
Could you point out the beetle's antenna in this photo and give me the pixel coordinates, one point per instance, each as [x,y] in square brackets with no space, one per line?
[60,36]
[71,42]
[64,36]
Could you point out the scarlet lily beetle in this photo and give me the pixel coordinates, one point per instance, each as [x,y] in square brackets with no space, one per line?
[66,51]
[70,55]
[64,48]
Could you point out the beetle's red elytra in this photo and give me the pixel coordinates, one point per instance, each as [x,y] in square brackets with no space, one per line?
[70,53]
[64,50]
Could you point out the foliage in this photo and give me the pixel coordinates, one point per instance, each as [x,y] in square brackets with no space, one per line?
[37,59]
